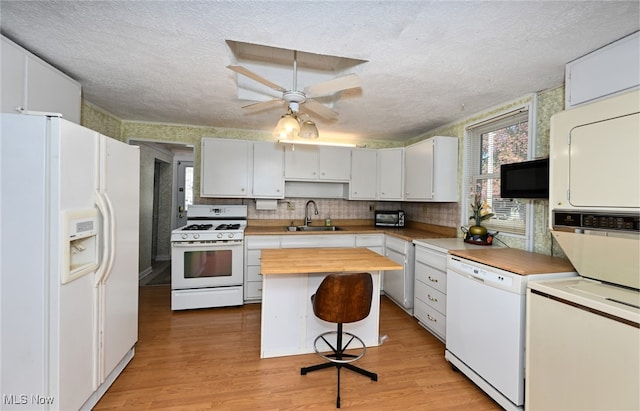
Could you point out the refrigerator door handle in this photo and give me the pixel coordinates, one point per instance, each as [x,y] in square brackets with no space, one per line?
[111,227]
[101,203]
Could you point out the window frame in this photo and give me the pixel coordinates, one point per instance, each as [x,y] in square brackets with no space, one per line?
[472,160]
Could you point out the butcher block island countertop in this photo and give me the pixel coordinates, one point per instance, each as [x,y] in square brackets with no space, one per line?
[516,261]
[323,260]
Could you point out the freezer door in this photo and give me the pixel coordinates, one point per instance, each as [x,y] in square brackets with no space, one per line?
[72,305]
[120,183]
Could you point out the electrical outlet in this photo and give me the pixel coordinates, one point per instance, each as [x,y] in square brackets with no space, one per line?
[291,206]
[424,210]
[372,207]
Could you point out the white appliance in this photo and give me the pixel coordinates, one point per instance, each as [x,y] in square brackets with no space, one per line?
[486,326]
[207,257]
[583,335]
[69,281]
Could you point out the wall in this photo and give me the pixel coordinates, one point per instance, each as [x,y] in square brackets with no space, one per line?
[549,102]
[446,214]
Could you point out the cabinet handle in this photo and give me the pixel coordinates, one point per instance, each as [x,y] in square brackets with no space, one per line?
[433,280]
[431,318]
[431,298]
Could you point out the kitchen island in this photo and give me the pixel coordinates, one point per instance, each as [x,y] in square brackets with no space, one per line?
[292,276]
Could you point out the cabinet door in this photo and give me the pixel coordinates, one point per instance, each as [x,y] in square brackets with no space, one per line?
[12,80]
[301,162]
[50,90]
[418,181]
[606,71]
[445,169]
[390,173]
[364,167]
[335,163]
[224,166]
[268,170]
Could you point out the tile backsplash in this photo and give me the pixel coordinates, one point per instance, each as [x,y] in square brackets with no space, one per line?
[444,214]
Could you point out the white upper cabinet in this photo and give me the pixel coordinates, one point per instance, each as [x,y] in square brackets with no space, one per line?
[225,167]
[314,163]
[606,71]
[431,170]
[29,83]
[390,173]
[364,182]
[301,162]
[268,170]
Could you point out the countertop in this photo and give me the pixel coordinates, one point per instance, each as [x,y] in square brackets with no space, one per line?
[516,261]
[323,260]
[445,244]
[409,233]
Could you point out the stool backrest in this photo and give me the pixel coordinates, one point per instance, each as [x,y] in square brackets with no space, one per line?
[343,298]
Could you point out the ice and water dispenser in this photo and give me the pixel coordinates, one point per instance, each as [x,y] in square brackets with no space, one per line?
[80,243]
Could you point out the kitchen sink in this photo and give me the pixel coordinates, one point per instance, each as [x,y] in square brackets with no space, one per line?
[312,228]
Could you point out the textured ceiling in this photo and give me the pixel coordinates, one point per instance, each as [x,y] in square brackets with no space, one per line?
[428,63]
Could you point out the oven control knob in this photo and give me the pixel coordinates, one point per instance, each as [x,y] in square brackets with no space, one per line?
[184,236]
[220,235]
[196,236]
[230,235]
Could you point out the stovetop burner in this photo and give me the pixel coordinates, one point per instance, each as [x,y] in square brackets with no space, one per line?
[228,227]
[198,227]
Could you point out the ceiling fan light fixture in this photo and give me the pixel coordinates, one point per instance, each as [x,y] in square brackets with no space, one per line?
[287,127]
[308,130]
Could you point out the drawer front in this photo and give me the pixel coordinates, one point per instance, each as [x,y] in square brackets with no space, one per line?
[433,258]
[431,319]
[253,257]
[253,290]
[431,296]
[262,241]
[396,244]
[432,277]
[318,240]
[369,240]
[253,273]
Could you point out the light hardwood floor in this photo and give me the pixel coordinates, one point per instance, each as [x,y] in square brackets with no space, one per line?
[209,360]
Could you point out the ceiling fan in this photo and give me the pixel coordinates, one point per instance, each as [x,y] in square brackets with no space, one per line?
[294,98]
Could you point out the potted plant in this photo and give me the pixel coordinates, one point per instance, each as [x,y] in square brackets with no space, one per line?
[481,210]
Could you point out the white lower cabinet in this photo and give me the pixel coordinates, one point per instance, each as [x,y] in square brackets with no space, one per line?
[252,277]
[318,241]
[374,242]
[430,298]
[398,284]
[255,244]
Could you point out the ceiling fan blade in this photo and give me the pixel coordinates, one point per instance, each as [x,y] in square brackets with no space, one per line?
[333,86]
[320,109]
[246,72]
[264,105]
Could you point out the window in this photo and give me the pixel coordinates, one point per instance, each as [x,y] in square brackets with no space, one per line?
[499,140]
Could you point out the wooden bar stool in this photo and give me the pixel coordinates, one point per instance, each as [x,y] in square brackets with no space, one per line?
[342,298]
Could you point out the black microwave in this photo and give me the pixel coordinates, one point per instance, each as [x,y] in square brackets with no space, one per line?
[389,218]
[527,179]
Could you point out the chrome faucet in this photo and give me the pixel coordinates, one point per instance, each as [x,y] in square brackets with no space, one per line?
[307,219]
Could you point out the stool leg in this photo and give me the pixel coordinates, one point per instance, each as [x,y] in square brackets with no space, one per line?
[338,397]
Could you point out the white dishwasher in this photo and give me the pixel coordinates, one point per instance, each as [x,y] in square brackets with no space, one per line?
[486,326]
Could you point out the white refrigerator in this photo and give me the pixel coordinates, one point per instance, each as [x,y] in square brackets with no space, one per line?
[68,262]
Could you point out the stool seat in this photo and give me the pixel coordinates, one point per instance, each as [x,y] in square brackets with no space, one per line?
[342,298]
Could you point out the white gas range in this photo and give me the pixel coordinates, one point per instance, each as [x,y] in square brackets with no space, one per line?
[208,257]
